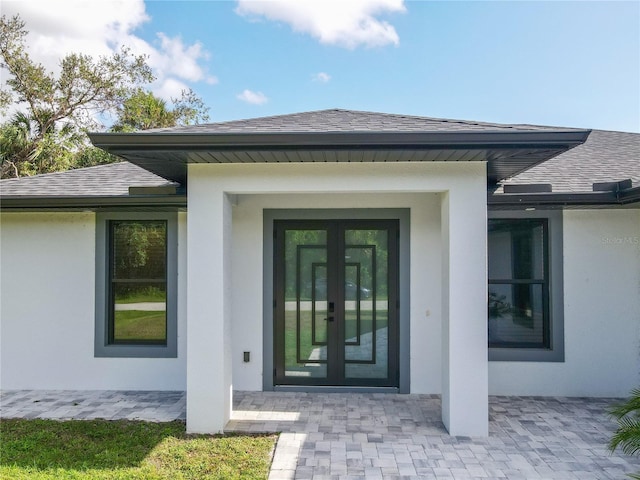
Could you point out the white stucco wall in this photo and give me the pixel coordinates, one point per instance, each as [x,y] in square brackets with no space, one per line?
[47,310]
[47,302]
[601,313]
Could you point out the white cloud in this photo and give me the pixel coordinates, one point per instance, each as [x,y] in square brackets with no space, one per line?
[346,23]
[181,60]
[321,77]
[100,27]
[255,98]
[169,88]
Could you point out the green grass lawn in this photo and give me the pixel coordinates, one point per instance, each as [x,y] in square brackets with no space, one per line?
[306,345]
[149,294]
[101,449]
[140,325]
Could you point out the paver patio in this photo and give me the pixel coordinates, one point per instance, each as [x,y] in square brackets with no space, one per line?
[368,436]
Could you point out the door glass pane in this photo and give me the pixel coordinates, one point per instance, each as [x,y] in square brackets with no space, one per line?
[366,305]
[305,316]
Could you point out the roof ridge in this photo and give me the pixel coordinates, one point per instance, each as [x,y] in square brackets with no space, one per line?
[339,120]
[245,122]
[279,115]
[477,122]
[369,113]
[366,112]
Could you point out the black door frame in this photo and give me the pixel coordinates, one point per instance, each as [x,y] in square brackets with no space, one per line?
[335,254]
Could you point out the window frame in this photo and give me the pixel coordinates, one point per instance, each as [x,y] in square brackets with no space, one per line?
[103,313]
[554,292]
[543,281]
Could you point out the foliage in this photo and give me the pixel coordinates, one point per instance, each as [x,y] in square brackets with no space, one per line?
[360,246]
[91,156]
[143,111]
[140,325]
[627,414]
[49,134]
[498,306]
[146,293]
[627,435]
[83,87]
[100,449]
[189,109]
[140,249]
[25,150]
[59,107]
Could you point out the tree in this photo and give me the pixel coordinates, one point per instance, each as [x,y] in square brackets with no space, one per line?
[61,107]
[91,156]
[26,150]
[143,111]
[15,146]
[49,133]
[83,87]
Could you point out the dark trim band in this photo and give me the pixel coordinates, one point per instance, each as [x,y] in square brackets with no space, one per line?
[90,203]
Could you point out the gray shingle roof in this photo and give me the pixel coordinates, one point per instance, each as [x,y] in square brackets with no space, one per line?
[341,136]
[337,120]
[606,156]
[113,179]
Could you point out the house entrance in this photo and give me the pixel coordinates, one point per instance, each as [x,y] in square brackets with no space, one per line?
[336,303]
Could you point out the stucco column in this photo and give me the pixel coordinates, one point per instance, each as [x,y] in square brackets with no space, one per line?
[208,307]
[465,403]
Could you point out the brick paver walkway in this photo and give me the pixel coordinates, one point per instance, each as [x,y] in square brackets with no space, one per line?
[90,404]
[372,436]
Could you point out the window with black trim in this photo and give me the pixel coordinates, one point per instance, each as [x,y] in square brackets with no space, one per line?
[525,305]
[136,281]
[518,283]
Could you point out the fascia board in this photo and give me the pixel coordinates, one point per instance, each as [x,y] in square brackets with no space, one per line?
[15,202]
[631,195]
[485,139]
[551,199]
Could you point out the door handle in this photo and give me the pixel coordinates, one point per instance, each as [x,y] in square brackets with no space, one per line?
[330,310]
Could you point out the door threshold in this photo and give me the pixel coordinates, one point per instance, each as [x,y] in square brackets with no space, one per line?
[333,389]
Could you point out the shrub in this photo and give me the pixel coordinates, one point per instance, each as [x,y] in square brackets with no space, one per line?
[627,435]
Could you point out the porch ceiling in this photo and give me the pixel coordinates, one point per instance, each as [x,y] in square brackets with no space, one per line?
[507,153]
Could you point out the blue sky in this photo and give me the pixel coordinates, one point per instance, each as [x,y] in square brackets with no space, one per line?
[543,62]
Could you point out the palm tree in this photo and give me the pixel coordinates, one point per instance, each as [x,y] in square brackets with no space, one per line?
[627,435]
[16,146]
[32,144]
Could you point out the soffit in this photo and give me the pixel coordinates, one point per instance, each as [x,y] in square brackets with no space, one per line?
[507,153]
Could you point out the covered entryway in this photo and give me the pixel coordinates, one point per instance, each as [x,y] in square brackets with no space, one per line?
[237,172]
[336,303]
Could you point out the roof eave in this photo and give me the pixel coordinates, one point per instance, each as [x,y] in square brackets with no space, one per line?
[178,147]
[177,141]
